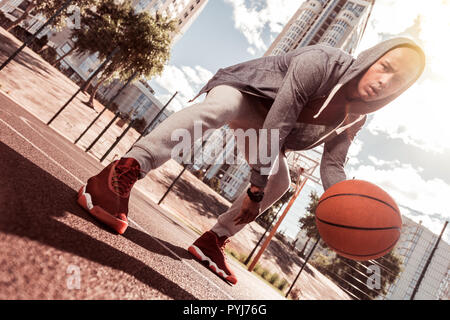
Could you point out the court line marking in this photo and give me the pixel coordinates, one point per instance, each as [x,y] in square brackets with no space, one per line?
[132,221]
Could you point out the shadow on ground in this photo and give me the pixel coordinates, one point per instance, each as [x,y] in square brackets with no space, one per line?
[8,47]
[209,206]
[31,199]
[204,204]
[285,258]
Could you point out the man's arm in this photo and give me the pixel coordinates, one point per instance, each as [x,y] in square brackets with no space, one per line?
[303,78]
[334,155]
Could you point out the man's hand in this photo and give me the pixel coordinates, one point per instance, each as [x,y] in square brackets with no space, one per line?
[249,209]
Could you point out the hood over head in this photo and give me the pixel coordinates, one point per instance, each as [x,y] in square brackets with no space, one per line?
[368,57]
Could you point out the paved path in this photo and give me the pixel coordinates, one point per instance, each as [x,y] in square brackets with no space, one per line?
[46,239]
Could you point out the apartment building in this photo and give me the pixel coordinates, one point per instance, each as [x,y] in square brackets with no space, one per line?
[414,247]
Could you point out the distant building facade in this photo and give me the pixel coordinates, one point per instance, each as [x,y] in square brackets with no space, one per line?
[137,101]
[185,12]
[337,23]
[414,247]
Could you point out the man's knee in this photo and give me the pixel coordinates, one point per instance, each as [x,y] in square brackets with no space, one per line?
[214,115]
[224,97]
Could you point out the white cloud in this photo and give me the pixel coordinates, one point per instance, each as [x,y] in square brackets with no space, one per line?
[204,74]
[252,19]
[353,151]
[251,51]
[419,116]
[355,147]
[380,163]
[186,80]
[249,22]
[191,74]
[197,75]
[409,189]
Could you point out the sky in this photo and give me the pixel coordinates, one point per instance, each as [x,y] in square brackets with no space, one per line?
[404,148]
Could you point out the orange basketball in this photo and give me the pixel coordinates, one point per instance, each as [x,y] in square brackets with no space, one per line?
[358,220]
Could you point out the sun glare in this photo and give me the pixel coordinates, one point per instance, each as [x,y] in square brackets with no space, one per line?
[420,115]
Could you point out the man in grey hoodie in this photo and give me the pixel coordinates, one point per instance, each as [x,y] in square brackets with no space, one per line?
[310,96]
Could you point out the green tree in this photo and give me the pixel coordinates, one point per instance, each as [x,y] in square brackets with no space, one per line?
[48,7]
[140,124]
[308,221]
[143,41]
[55,63]
[214,183]
[266,218]
[199,174]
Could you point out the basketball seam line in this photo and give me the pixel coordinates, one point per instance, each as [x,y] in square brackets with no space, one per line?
[359,195]
[366,255]
[352,227]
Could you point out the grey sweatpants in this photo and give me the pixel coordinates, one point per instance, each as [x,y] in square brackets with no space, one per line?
[222,105]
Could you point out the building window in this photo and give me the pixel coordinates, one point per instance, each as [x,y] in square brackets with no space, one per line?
[88,65]
[66,47]
[140,106]
[23,6]
[142,4]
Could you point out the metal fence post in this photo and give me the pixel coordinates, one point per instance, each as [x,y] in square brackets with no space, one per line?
[303,266]
[85,84]
[107,105]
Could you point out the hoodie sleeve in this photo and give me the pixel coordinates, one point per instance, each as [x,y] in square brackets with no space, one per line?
[334,156]
[303,77]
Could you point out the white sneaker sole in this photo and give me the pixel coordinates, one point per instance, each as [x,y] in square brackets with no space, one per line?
[85,201]
[196,252]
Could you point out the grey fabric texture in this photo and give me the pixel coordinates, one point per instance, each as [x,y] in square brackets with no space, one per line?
[287,82]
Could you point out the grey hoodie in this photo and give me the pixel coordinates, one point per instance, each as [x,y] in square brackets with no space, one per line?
[288,82]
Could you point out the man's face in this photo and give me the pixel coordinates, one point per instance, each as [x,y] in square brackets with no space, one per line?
[389,74]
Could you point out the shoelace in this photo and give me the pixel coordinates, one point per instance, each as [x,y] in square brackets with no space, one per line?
[222,245]
[124,178]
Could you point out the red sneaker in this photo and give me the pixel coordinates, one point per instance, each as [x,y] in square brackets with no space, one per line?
[106,195]
[209,248]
